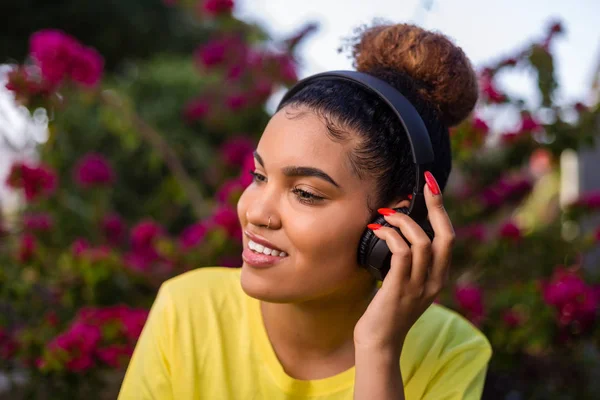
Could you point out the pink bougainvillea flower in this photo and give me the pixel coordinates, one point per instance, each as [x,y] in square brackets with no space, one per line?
[76,346]
[113,228]
[511,318]
[471,232]
[93,170]
[61,56]
[287,68]
[470,302]
[489,90]
[245,177]
[227,49]
[40,222]
[133,321]
[216,7]
[235,150]
[508,138]
[86,67]
[262,90]
[196,109]
[509,230]
[528,123]
[230,191]
[573,300]
[53,51]
[8,345]
[480,125]
[26,83]
[236,101]
[27,247]
[36,181]
[141,259]
[226,218]
[145,233]
[79,246]
[235,72]
[115,355]
[192,235]
[590,200]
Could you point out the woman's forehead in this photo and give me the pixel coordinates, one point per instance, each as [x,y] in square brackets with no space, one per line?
[304,140]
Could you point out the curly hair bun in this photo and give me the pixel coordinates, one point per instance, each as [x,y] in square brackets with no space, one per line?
[442,73]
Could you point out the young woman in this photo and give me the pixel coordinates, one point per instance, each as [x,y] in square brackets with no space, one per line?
[302,319]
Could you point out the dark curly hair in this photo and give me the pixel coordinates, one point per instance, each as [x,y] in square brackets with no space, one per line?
[429,70]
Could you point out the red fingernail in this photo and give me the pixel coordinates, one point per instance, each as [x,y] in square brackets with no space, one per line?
[432,183]
[410,196]
[386,211]
[374,226]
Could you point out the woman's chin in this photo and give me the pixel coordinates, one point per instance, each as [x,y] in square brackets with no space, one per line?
[264,287]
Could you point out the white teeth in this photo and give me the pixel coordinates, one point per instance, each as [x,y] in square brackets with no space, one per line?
[259,248]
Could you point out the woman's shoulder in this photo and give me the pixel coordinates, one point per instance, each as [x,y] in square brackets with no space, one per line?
[446,327]
[205,283]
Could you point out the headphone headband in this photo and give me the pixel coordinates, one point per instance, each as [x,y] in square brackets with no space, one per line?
[408,116]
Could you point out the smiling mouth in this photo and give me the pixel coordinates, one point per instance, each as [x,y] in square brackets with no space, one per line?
[260,249]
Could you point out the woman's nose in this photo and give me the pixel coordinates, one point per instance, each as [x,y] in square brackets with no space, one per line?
[262,212]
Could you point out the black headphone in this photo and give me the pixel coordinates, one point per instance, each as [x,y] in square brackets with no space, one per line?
[373,253]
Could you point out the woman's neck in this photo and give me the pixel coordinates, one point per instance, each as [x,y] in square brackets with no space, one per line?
[314,339]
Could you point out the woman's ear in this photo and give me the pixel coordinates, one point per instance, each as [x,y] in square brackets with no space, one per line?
[404,202]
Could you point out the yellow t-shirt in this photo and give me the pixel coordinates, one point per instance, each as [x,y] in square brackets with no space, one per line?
[205,340]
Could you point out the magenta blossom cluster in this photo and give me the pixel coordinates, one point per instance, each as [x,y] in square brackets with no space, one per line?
[82,249]
[473,232]
[489,91]
[504,190]
[8,345]
[470,302]
[93,170]
[36,181]
[38,222]
[60,57]
[510,230]
[114,228]
[144,252]
[216,7]
[589,200]
[527,126]
[97,336]
[575,302]
[251,75]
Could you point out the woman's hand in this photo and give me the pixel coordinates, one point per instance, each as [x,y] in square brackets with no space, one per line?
[417,274]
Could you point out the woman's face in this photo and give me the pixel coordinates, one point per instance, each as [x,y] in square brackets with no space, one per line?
[318,209]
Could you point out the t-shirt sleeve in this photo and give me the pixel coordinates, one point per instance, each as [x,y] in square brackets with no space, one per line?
[462,369]
[148,374]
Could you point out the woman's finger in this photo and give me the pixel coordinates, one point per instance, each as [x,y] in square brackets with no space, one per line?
[443,240]
[420,245]
[401,263]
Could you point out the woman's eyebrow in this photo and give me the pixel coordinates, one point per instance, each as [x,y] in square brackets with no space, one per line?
[309,171]
[302,171]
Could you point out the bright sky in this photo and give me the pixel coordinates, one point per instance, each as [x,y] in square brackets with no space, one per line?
[485,29]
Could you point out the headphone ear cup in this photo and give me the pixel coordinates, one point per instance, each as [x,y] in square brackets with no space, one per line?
[369,241]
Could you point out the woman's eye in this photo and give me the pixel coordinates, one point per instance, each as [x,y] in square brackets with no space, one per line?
[306,197]
[256,177]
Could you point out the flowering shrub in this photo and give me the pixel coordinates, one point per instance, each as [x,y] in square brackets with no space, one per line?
[140,176]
